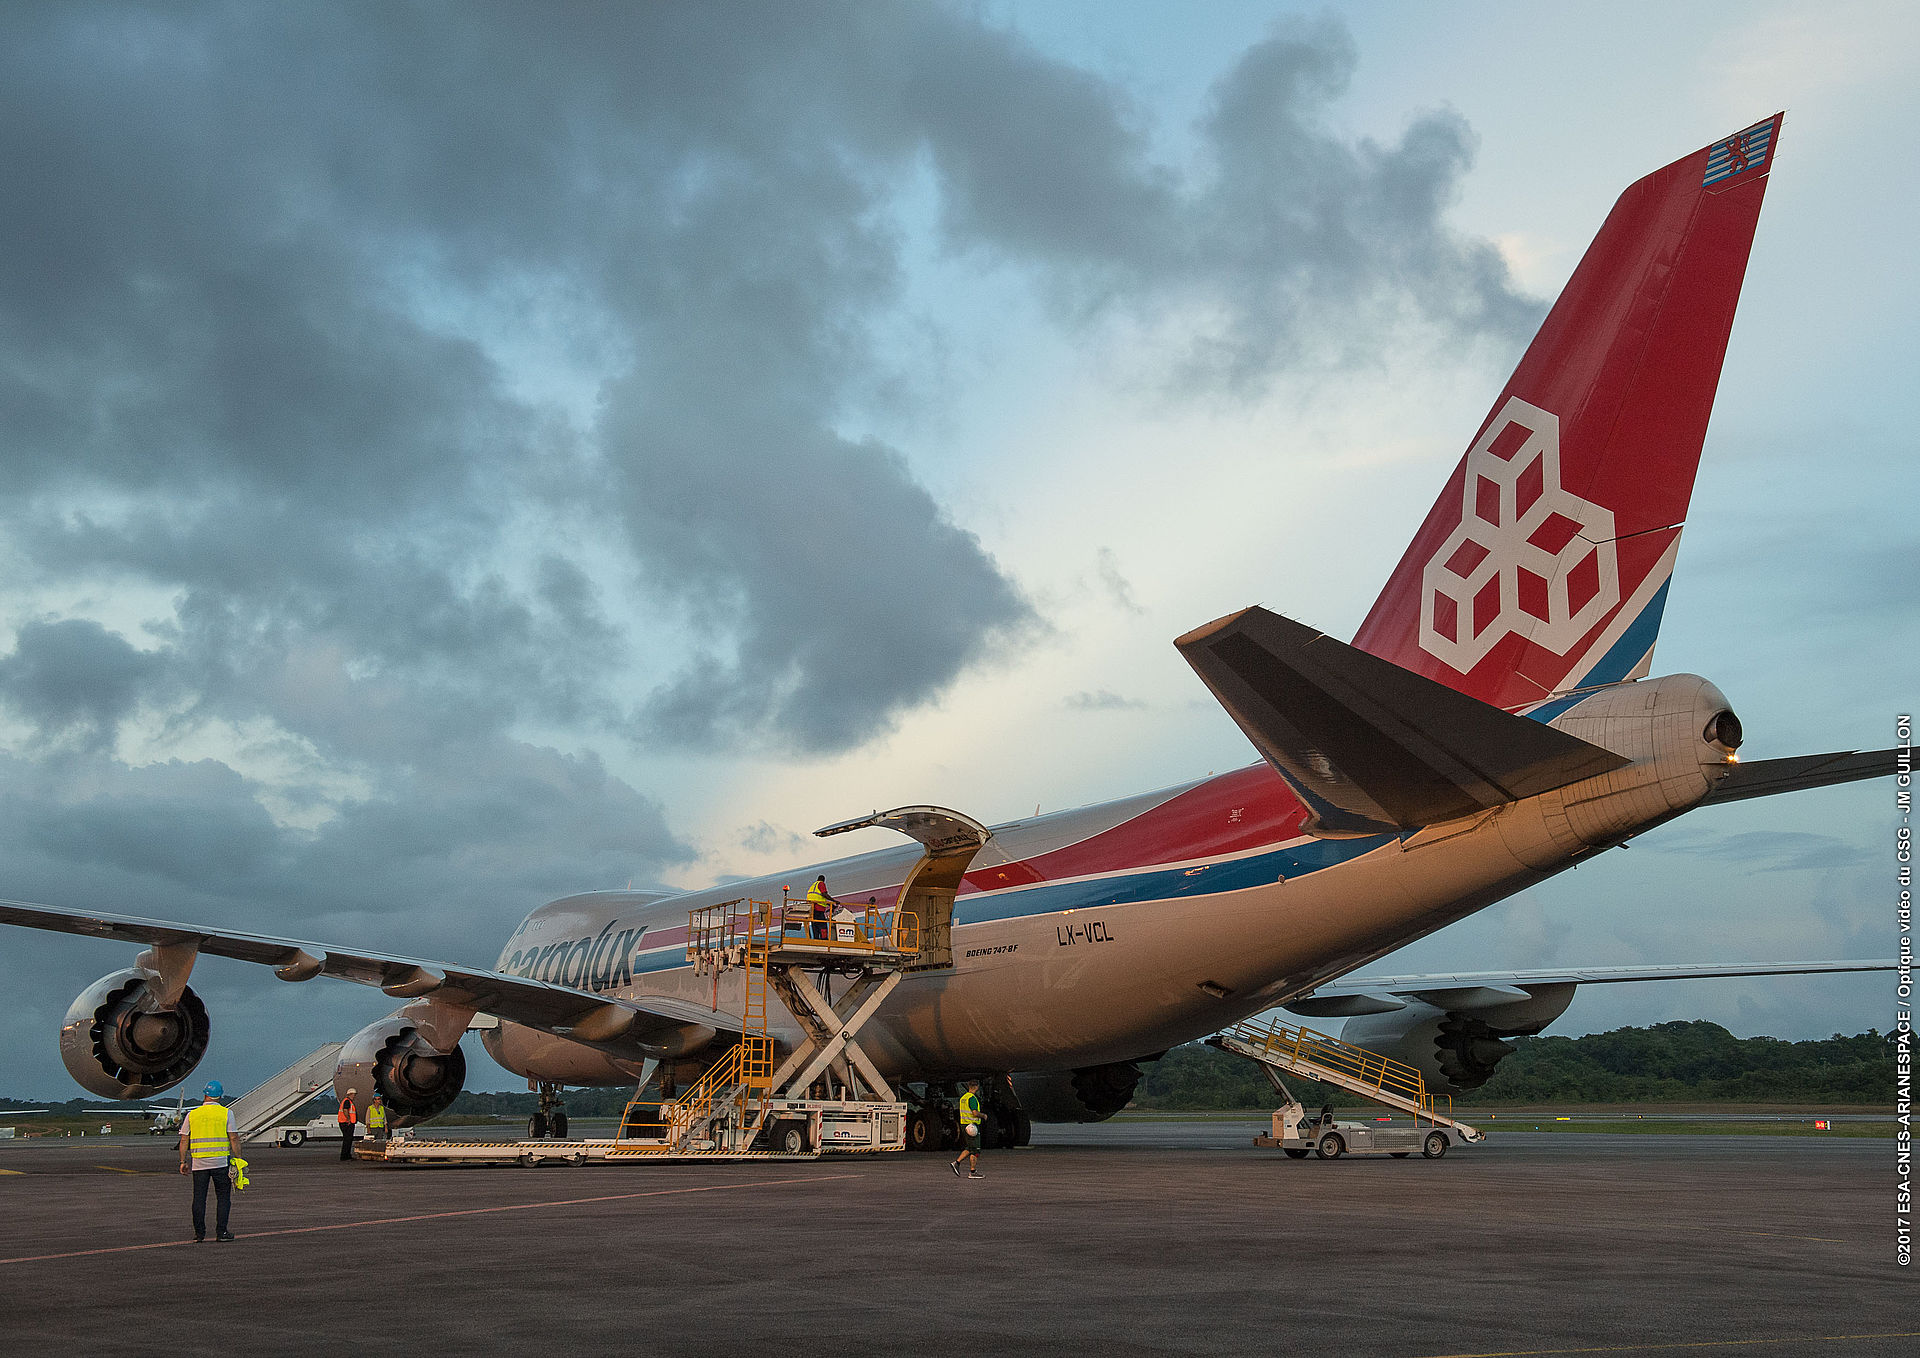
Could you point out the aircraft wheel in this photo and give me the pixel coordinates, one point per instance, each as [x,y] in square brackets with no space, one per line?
[1331,1147]
[1022,1129]
[923,1130]
[537,1127]
[559,1125]
[1295,1153]
[1436,1145]
[295,1139]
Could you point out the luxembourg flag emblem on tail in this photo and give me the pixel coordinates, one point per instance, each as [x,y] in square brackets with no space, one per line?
[1742,153]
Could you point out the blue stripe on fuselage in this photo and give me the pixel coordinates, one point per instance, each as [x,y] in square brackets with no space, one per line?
[1153,884]
[1618,662]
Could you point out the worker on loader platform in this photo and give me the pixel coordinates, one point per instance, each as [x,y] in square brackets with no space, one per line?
[821,903]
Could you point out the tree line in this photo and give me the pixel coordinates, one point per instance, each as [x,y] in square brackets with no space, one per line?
[1681,1062]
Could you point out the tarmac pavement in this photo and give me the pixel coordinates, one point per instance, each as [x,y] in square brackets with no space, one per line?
[1138,1238]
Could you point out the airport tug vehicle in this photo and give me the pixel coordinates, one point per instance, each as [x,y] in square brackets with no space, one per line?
[823,1095]
[1281,1048]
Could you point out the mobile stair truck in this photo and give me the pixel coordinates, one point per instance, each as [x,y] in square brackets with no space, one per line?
[1281,1048]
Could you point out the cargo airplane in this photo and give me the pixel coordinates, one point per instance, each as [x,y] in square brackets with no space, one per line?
[1491,724]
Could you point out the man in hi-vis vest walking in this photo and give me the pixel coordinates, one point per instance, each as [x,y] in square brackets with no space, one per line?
[970,1131]
[208,1146]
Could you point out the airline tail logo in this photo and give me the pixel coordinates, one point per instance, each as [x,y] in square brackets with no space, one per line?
[1529,556]
[1739,154]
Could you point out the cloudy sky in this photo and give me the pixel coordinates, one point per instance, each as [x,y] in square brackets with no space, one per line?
[455,455]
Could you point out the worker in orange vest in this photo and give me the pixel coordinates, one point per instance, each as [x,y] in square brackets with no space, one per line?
[348,1115]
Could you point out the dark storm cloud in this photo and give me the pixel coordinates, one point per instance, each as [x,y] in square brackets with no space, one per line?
[281,288]
[227,286]
[74,676]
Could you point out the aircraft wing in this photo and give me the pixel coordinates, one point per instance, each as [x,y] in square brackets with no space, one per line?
[1469,990]
[578,1014]
[1369,746]
[1767,777]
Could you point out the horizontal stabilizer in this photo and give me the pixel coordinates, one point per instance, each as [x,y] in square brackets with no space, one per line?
[1369,746]
[1769,777]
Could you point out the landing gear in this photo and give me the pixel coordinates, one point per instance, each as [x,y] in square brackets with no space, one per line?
[1007,1123]
[934,1122]
[551,1117]
[923,1130]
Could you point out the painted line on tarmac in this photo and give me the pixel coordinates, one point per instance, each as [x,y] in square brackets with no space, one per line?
[1693,1344]
[1776,1235]
[436,1216]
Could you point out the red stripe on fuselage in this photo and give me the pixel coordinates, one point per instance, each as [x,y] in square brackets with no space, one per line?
[1235,812]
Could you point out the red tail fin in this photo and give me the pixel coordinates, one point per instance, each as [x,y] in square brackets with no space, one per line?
[1544,565]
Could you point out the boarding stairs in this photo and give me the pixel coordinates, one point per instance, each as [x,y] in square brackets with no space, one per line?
[727,1108]
[261,1108]
[1281,1047]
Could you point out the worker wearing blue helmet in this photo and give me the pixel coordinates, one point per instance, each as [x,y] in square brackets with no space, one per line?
[208,1147]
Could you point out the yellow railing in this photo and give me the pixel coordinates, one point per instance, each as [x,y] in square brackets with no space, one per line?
[697,1104]
[1318,1052]
[719,928]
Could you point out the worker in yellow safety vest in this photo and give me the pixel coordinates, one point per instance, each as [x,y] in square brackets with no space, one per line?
[208,1146]
[970,1131]
[377,1120]
[821,902]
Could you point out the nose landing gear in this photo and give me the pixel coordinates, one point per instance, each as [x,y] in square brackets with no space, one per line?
[550,1119]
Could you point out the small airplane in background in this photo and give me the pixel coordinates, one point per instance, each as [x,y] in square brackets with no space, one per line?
[1491,724]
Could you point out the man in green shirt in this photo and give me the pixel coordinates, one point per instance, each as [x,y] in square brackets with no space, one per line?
[970,1131]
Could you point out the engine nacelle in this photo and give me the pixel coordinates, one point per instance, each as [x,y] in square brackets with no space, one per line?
[1090,1094]
[392,1057]
[1456,1050]
[118,1042]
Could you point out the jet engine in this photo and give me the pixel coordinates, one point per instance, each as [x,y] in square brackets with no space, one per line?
[1090,1094]
[120,1043]
[392,1057]
[1457,1048]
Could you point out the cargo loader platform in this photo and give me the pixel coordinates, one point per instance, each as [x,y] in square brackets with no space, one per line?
[744,1107]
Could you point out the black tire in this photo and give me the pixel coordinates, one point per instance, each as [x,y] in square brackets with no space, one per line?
[1435,1145]
[923,1130]
[1331,1147]
[789,1138]
[1022,1128]
[558,1126]
[995,1133]
[537,1127]
[295,1139]
[1295,1153]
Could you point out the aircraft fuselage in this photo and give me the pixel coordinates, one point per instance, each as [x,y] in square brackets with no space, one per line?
[1120,930]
